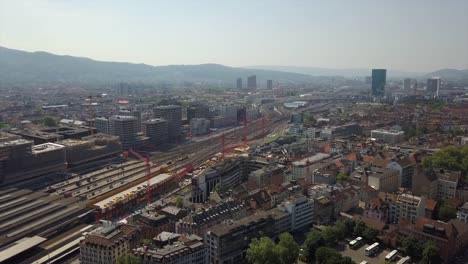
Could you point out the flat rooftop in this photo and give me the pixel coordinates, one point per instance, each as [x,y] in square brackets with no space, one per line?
[142,186]
[21,246]
[15,142]
[46,147]
[312,159]
[26,213]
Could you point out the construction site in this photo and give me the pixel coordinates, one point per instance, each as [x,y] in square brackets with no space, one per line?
[80,151]
[20,160]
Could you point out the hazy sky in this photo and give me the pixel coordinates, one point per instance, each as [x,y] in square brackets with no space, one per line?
[412,35]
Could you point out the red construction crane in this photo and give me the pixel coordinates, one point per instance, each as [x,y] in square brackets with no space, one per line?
[149,164]
[91,114]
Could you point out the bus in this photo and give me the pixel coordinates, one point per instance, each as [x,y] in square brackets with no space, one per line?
[391,256]
[372,249]
[355,243]
[404,260]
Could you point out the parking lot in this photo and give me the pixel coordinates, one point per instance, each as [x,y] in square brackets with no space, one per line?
[358,255]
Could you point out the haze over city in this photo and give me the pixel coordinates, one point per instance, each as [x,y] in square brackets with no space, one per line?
[412,36]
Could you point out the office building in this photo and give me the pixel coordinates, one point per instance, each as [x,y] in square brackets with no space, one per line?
[228,242]
[229,113]
[156,130]
[388,136]
[102,125]
[383,179]
[379,78]
[20,160]
[406,168]
[199,126]
[300,209]
[173,115]
[108,243]
[270,84]
[407,84]
[198,111]
[341,131]
[433,86]
[239,83]
[134,112]
[252,82]
[125,127]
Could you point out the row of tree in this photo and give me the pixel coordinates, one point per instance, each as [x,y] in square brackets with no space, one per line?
[451,158]
[265,251]
[426,251]
[317,247]
[330,235]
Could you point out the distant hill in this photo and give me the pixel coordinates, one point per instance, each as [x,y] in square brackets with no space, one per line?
[316,71]
[38,68]
[452,74]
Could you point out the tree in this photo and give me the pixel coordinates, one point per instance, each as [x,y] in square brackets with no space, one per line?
[350,224]
[313,241]
[145,242]
[430,252]
[341,230]
[359,228]
[412,247]
[341,177]
[329,236]
[49,121]
[370,234]
[451,158]
[262,251]
[411,132]
[179,202]
[324,254]
[128,259]
[447,212]
[287,249]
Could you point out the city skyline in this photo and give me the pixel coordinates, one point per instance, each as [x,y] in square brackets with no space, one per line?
[336,34]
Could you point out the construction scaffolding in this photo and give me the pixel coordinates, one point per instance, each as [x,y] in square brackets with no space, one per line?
[91,148]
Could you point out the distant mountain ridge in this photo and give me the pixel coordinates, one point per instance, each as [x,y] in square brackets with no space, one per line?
[317,71]
[30,68]
[359,72]
[42,68]
[449,74]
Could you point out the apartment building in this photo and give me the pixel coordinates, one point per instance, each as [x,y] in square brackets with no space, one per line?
[185,250]
[447,182]
[300,209]
[228,242]
[408,207]
[108,243]
[462,213]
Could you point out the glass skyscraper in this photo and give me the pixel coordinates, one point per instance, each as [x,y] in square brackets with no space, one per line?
[379,77]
